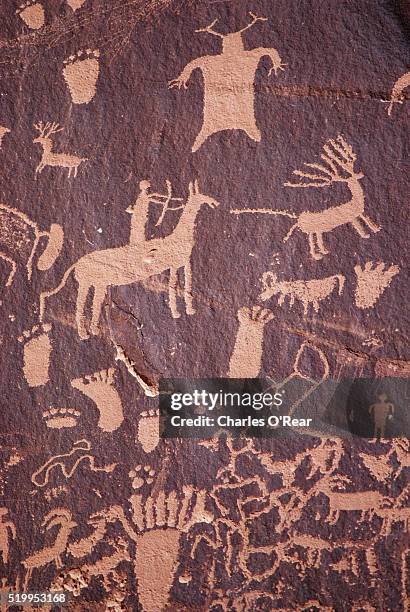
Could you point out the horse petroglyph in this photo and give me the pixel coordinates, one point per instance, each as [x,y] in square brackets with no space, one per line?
[229,84]
[131,264]
[372,280]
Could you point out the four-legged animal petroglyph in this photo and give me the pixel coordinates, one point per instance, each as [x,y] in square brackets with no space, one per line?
[68,463]
[397,96]
[3,132]
[130,264]
[49,158]
[372,281]
[340,160]
[309,292]
[19,241]
[51,554]
[229,84]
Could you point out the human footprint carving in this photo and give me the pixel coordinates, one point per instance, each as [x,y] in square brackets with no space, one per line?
[36,354]
[246,358]
[148,430]
[75,4]
[81,72]
[372,280]
[3,132]
[32,13]
[99,387]
[61,418]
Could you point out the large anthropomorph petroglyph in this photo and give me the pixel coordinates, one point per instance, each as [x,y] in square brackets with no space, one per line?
[229,84]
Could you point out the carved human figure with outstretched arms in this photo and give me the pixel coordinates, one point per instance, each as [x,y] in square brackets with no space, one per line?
[229,83]
[130,264]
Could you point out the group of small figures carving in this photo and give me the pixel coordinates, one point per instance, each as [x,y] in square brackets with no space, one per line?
[153,521]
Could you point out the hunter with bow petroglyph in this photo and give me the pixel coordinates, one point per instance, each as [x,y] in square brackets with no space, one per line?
[229,100]
[131,264]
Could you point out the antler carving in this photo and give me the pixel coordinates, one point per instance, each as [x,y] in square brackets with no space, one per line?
[209,30]
[338,155]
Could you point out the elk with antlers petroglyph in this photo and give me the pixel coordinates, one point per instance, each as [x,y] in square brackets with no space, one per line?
[51,554]
[131,264]
[340,159]
[308,292]
[229,83]
[49,158]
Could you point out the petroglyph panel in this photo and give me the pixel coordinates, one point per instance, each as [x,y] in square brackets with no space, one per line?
[202,189]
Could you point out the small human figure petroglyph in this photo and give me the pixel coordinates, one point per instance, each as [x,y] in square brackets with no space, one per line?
[49,158]
[229,84]
[381,411]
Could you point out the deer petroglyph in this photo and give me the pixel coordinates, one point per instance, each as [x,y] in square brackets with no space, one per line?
[308,292]
[133,263]
[340,160]
[49,158]
[229,84]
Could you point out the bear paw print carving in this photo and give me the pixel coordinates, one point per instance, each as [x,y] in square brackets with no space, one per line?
[32,13]
[148,430]
[141,475]
[81,73]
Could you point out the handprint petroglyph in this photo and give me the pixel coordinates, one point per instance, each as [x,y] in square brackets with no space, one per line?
[372,280]
[49,157]
[229,84]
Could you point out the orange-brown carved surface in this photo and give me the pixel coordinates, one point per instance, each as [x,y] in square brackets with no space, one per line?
[201,189]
